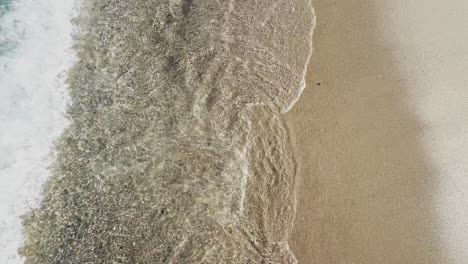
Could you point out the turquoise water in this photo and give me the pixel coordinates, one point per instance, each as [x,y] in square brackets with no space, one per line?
[5,6]
[5,45]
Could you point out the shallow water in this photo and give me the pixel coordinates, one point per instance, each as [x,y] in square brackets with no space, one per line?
[35,54]
[177,151]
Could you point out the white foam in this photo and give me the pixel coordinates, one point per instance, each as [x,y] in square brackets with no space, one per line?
[33,100]
[302,86]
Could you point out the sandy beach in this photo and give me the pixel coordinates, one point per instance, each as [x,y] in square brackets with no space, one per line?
[366,186]
[153,132]
[378,134]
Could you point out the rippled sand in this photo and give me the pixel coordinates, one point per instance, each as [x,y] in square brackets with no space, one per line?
[177,152]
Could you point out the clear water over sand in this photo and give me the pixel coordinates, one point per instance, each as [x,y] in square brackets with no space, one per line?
[177,151]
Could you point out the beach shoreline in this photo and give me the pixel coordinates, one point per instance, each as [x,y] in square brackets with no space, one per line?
[365,188]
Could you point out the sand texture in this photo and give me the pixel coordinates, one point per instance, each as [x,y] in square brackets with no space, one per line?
[367,187]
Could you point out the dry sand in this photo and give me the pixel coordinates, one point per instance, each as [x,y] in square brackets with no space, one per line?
[366,187]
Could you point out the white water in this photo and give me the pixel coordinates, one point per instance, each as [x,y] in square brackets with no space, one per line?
[33,100]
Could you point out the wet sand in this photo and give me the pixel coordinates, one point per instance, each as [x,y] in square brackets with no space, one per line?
[366,187]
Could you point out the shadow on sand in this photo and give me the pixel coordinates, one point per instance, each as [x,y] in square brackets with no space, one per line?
[366,187]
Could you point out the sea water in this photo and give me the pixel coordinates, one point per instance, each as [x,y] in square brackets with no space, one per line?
[177,151]
[35,54]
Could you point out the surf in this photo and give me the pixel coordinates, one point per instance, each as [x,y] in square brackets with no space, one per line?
[35,56]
